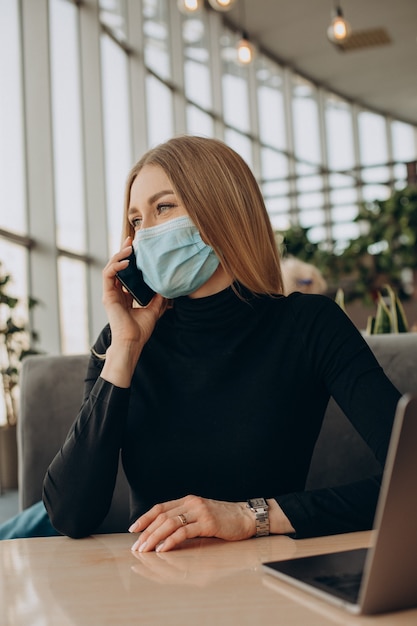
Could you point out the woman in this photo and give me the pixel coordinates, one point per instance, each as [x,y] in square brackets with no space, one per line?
[300,276]
[216,391]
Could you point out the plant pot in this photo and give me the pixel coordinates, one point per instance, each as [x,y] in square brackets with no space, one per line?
[8,458]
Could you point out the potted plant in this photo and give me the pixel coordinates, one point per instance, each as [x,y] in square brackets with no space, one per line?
[390,316]
[16,342]
[384,252]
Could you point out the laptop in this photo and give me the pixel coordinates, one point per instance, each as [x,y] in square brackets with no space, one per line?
[383,577]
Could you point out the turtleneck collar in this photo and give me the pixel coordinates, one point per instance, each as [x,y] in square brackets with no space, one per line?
[219,310]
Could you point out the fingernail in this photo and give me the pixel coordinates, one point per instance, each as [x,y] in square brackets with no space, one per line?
[143,546]
[159,546]
[135,545]
[131,528]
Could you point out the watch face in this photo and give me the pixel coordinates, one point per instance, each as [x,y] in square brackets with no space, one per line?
[258,502]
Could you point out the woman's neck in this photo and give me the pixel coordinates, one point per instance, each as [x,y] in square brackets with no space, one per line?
[216,283]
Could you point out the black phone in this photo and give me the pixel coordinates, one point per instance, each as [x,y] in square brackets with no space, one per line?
[132,279]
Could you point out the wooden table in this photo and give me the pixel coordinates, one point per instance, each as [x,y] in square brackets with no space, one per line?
[59,581]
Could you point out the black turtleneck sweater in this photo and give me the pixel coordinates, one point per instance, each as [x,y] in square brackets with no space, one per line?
[226,402]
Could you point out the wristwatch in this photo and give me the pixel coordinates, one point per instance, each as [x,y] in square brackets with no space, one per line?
[260,507]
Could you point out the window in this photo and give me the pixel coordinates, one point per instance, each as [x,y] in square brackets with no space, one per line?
[234,86]
[374,156]
[12,170]
[156,34]
[117,140]
[73,306]
[309,183]
[197,76]
[159,109]
[67,127]
[404,150]
[342,178]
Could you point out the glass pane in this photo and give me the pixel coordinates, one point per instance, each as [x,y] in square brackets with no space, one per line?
[343,196]
[117,135]
[372,138]
[308,179]
[317,234]
[234,86]
[156,35]
[12,170]
[375,192]
[275,189]
[312,217]
[346,213]
[67,126]
[339,134]
[280,220]
[345,232]
[270,103]
[240,143]
[198,122]
[160,109]
[376,175]
[73,306]
[400,175]
[310,200]
[403,142]
[306,121]
[274,166]
[113,16]
[197,60]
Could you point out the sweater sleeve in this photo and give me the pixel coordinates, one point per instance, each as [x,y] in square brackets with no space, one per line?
[352,375]
[79,483]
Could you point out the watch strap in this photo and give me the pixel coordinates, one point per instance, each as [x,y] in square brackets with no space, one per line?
[260,507]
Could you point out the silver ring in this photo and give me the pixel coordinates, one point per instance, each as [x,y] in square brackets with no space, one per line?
[182,519]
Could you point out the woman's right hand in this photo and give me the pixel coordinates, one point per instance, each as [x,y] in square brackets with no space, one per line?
[130,326]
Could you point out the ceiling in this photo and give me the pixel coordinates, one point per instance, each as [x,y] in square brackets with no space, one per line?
[382,77]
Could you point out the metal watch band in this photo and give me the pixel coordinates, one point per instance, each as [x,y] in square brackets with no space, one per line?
[260,507]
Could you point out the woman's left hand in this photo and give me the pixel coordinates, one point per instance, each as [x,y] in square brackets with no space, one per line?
[166,525]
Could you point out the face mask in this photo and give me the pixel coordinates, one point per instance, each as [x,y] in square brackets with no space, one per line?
[173,258]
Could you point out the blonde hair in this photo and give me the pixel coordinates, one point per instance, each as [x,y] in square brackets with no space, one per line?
[222,197]
[301,276]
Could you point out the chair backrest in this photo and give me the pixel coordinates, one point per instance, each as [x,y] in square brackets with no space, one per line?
[340,454]
[51,394]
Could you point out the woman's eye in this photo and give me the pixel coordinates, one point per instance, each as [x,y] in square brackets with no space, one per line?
[165,206]
[136,222]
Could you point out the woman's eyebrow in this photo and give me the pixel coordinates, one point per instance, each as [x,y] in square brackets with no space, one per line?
[159,194]
[152,199]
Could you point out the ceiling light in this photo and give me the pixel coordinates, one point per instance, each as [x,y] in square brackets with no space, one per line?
[245,50]
[222,5]
[189,6]
[339,29]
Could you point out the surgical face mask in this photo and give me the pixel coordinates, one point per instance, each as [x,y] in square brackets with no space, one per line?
[173,258]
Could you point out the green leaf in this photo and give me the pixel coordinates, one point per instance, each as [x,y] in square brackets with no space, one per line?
[392,308]
[383,320]
[340,299]
[401,317]
[370,325]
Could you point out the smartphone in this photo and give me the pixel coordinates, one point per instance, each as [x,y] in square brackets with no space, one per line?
[132,279]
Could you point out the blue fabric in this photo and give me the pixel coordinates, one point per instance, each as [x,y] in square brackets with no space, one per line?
[173,258]
[32,522]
